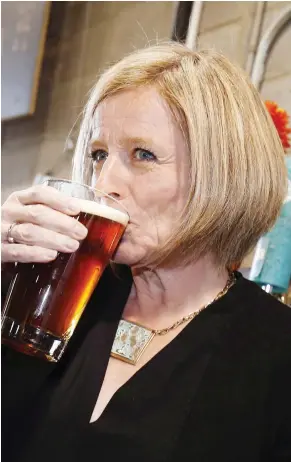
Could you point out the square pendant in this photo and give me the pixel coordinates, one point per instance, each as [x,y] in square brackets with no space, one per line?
[130,341]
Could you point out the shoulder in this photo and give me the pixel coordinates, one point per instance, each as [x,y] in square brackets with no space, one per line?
[263,312]
[260,325]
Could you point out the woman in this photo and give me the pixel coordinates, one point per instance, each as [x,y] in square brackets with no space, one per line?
[183,140]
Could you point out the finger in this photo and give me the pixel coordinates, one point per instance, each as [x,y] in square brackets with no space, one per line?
[34,235]
[4,231]
[49,196]
[26,254]
[47,218]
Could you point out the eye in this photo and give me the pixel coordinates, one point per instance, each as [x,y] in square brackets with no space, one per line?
[98,156]
[144,155]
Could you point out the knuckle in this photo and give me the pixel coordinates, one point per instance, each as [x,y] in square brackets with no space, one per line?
[12,197]
[34,212]
[35,193]
[25,232]
[14,253]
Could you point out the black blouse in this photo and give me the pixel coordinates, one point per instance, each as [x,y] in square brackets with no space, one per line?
[220,391]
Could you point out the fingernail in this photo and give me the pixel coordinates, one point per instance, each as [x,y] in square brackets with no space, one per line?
[72,245]
[51,254]
[80,232]
[73,208]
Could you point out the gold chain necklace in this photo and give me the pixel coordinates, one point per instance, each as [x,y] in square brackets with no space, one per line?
[132,339]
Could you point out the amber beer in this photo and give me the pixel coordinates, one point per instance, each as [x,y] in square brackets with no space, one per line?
[45,301]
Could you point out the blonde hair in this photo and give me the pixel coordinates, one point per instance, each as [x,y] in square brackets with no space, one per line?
[237,174]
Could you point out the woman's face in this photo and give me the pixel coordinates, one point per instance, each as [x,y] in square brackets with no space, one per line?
[140,157]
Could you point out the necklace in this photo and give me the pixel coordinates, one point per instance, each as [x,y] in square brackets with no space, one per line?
[132,339]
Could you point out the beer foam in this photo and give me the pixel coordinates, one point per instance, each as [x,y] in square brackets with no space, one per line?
[104,211]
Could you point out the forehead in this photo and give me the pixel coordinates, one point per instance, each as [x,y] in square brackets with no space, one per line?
[135,113]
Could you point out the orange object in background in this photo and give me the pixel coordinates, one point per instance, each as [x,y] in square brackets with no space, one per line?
[280,118]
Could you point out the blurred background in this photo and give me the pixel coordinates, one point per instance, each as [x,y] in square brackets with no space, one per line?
[53,52]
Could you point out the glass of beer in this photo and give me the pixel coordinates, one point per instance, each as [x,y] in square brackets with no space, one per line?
[46,300]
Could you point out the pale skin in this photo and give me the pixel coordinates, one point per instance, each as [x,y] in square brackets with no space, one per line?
[139,156]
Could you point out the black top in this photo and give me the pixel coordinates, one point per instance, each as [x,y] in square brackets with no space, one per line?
[220,391]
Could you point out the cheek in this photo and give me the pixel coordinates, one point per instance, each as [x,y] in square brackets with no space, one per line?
[157,205]
[159,198]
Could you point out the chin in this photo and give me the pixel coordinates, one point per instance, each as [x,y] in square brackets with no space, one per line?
[127,254]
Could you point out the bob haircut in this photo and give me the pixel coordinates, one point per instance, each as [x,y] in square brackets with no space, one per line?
[237,173]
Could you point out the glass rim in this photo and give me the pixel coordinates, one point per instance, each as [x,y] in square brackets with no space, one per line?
[63,180]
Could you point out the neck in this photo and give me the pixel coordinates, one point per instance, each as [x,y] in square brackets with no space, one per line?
[162,296]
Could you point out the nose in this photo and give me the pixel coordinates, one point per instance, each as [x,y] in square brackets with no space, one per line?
[112,178]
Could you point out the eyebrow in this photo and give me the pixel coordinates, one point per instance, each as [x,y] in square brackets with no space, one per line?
[130,139]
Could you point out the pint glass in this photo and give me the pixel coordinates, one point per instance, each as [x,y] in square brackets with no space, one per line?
[46,300]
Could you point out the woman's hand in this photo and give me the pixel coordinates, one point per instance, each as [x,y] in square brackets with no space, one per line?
[44,225]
